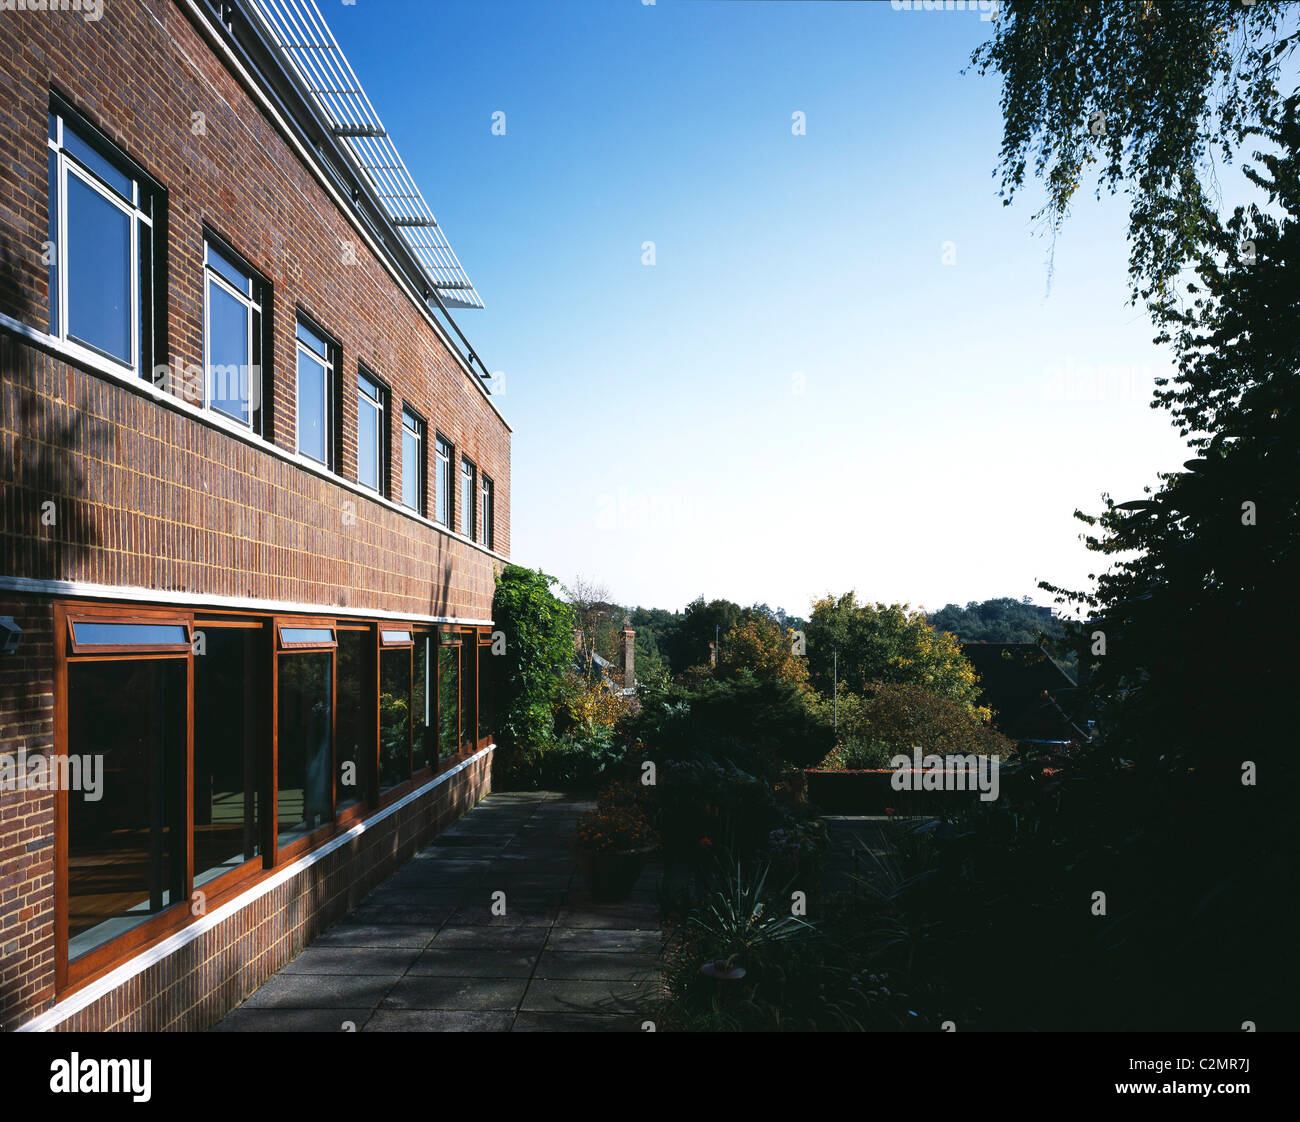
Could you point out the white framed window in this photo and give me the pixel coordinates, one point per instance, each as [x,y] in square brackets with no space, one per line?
[485,512]
[101,262]
[466,497]
[442,482]
[316,358]
[370,432]
[412,461]
[232,338]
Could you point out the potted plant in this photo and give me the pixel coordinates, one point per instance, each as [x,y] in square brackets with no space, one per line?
[611,845]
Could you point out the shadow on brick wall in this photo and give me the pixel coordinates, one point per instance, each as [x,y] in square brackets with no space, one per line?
[47,528]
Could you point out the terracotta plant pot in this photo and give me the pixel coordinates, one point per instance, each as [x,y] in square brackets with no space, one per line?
[610,874]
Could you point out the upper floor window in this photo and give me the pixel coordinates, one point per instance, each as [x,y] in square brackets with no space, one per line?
[232,337]
[466,497]
[371,432]
[442,482]
[316,360]
[485,513]
[412,461]
[102,210]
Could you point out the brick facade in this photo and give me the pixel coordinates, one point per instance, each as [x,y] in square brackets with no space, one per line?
[108,484]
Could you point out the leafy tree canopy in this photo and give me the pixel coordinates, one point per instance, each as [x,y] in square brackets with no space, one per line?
[884,643]
[1145,95]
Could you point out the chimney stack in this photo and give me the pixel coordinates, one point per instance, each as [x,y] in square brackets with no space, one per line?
[629,658]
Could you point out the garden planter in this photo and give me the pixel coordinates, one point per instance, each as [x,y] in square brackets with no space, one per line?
[610,874]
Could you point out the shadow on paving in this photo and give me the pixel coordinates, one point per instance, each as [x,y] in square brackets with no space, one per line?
[425,953]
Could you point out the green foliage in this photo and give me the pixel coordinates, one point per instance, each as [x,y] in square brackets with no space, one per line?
[884,643]
[902,716]
[1004,620]
[1198,611]
[538,630]
[689,643]
[858,753]
[1148,94]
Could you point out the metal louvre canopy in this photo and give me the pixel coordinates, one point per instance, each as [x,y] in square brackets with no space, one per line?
[312,54]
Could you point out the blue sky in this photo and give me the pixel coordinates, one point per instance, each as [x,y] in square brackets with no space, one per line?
[847,367]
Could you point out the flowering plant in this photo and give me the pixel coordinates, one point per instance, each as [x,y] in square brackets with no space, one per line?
[616,828]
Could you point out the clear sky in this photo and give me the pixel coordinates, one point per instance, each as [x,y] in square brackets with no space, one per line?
[848,366]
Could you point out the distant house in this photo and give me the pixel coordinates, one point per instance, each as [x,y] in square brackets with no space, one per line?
[1025,689]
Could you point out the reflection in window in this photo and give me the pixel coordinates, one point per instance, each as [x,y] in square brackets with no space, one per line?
[468,692]
[356,693]
[484,692]
[394,717]
[448,701]
[305,733]
[315,390]
[226,692]
[87,634]
[101,270]
[425,702]
[232,336]
[126,847]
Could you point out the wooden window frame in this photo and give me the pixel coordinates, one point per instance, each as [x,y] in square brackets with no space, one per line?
[74,975]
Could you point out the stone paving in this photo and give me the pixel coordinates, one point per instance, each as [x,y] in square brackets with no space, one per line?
[425,953]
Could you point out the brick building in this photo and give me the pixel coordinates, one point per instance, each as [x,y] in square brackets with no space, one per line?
[254,493]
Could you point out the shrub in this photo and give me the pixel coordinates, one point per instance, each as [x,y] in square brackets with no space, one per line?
[902,716]
[538,631]
[614,828]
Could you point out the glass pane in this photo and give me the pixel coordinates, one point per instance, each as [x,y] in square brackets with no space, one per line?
[312,384]
[305,731]
[410,469]
[126,813]
[132,634]
[356,700]
[99,271]
[484,692]
[468,693]
[228,357]
[466,500]
[53,236]
[424,703]
[397,636]
[367,443]
[394,717]
[314,341]
[443,514]
[448,701]
[306,635]
[227,699]
[113,178]
[230,271]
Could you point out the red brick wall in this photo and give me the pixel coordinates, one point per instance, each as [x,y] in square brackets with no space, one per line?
[158,498]
[27,817]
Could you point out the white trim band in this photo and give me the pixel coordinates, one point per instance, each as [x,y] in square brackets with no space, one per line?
[202,600]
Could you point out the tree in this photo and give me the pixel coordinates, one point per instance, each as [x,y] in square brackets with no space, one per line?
[1190,635]
[900,716]
[1004,620]
[599,620]
[538,631]
[1148,93]
[884,643]
[762,646]
[690,644]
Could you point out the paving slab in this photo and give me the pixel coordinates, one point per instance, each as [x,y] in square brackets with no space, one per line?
[390,961]
[429,991]
[424,953]
[438,1020]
